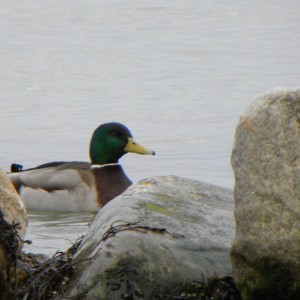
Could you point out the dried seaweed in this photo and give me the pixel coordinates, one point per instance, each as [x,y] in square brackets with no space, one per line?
[9,242]
[134,226]
[50,277]
[9,237]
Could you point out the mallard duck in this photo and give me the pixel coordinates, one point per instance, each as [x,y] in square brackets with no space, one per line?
[81,186]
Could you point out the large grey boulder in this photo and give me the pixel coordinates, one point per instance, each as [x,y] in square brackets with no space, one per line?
[158,235]
[266,163]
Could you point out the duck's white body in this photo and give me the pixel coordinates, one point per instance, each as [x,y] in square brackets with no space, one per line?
[82,198]
[58,188]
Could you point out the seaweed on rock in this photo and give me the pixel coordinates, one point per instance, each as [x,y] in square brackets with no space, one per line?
[50,277]
[9,236]
[9,244]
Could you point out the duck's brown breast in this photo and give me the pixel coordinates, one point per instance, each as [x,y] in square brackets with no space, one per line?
[111,181]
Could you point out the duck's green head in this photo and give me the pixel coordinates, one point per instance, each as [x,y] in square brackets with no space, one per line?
[111,141]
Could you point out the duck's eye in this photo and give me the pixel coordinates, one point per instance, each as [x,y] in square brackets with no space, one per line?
[115,133]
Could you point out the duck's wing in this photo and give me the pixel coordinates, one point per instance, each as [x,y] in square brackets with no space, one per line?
[52,176]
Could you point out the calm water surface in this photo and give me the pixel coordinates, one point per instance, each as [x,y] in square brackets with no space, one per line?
[178,73]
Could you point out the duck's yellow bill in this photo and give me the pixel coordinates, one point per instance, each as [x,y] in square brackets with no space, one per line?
[133,147]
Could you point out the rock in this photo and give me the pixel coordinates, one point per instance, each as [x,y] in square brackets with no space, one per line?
[149,241]
[12,212]
[12,206]
[266,163]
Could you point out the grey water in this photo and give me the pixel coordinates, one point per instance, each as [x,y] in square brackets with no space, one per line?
[178,73]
